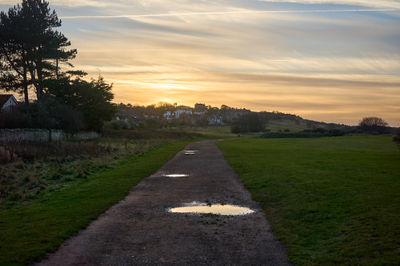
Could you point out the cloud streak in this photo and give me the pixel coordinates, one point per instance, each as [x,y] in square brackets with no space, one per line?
[239,12]
[330,60]
[369,3]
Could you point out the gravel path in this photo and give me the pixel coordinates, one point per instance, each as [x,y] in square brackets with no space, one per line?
[138,230]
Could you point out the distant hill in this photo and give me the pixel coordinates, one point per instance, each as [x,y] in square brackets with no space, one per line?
[206,115]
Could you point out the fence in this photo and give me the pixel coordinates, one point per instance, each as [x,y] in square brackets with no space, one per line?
[43,135]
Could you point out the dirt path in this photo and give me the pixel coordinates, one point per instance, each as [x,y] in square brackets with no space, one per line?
[138,230]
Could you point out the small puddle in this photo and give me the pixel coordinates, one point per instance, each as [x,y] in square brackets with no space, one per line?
[175,175]
[217,209]
[191,152]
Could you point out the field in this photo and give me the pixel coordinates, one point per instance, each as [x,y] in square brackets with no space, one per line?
[282,125]
[31,227]
[330,200]
[211,132]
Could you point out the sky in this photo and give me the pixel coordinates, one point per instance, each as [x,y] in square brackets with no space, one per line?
[326,60]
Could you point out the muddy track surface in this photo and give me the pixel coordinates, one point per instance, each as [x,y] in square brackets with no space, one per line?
[139,230]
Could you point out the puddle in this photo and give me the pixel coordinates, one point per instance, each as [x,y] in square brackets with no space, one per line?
[217,209]
[191,152]
[175,175]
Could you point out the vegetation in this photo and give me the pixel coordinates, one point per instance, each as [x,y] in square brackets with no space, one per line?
[35,56]
[374,125]
[397,136]
[29,230]
[37,168]
[216,132]
[31,48]
[250,122]
[164,115]
[330,200]
[307,133]
[48,113]
[92,99]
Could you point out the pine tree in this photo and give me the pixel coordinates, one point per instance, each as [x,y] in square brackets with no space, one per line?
[31,49]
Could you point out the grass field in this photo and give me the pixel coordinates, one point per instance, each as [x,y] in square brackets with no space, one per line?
[29,231]
[330,200]
[211,132]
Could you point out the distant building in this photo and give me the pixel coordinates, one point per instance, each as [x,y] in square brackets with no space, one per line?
[215,120]
[126,118]
[7,102]
[180,112]
[169,115]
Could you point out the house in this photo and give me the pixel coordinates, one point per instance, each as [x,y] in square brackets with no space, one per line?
[169,115]
[7,102]
[215,120]
[182,111]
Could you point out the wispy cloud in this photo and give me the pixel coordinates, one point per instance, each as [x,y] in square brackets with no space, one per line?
[331,60]
[242,12]
[368,3]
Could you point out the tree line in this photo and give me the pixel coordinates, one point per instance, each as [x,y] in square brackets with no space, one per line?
[35,59]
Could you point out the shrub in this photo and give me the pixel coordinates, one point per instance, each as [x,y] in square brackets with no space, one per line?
[396,137]
[315,133]
[48,113]
[118,124]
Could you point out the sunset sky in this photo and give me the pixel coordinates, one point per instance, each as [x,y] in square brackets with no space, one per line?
[326,60]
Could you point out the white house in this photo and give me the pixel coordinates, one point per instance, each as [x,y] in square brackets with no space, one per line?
[215,120]
[168,115]
[7,101]
[176,114]
[180,112]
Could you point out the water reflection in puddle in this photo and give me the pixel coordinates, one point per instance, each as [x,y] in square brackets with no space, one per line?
[217,209]
[191,152]
[175,175]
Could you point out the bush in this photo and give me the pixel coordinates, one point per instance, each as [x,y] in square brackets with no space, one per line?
[315,133]
[48,113]
[396,137]
[119,124]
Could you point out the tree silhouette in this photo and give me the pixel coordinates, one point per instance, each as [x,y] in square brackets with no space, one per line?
[92,99]
[373,125]
[31,50]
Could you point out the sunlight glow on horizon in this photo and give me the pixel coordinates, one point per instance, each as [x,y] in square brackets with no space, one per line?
[326,60]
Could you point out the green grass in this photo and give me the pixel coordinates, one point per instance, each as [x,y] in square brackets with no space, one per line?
[281,125]
[211,132]
[330,200]
[28,232]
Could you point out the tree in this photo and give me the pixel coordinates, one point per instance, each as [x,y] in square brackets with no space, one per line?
[374,125]
[92,99]
[31,49]
[14,62]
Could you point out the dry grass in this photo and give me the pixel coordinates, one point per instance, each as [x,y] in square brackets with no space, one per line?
[36,168]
